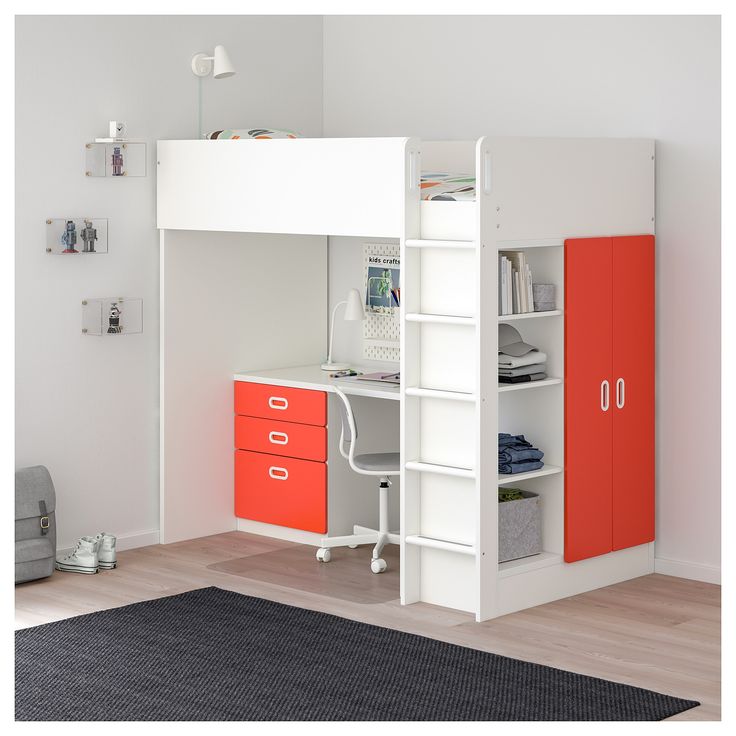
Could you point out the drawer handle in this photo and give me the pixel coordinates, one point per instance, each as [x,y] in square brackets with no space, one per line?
[278,473]
[278,402]
[278,438]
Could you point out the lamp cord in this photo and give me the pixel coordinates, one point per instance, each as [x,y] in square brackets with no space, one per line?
[199,107]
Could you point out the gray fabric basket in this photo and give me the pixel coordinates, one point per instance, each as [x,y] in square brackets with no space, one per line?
[519,528]
[35,546]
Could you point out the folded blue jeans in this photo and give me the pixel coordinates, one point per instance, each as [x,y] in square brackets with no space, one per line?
[516,454]
[511,439]
[523,467]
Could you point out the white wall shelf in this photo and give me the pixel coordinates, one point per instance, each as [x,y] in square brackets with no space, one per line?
[506,478]
[529,315]
[506,387]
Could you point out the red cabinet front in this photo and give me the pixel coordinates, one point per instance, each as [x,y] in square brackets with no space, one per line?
[281,403]
[281,490]
[633,391]
[304,441]
[588,427]
[609,394]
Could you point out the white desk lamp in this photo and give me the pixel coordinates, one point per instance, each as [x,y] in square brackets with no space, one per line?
[354,312]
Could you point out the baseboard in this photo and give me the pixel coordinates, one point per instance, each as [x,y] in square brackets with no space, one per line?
[689,570]
[125,541]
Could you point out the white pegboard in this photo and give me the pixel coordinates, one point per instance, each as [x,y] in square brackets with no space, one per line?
[381,327]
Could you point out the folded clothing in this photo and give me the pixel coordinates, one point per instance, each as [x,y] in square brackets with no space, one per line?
[525,370]
[522,379]
[517,455]
[525,466]
[511,361]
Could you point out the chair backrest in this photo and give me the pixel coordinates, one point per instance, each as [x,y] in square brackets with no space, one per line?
[349,426]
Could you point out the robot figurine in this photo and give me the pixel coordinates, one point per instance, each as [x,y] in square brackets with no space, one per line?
[117,162]
[69,237]
[113,319]
[88,235]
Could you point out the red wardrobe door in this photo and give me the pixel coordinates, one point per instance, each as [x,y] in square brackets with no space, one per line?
[633,390]
[588,426]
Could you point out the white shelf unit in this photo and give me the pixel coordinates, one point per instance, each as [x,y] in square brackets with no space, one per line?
[229,208]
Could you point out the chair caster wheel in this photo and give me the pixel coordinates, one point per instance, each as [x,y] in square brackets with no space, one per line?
[353,546]
[323,554]
[378,566]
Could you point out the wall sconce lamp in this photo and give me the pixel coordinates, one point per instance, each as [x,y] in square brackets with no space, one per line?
[222,67]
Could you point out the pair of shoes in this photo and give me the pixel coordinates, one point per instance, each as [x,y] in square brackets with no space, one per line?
[90,555]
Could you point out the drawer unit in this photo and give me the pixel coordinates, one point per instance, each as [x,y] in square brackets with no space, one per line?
[281,403]
[303,441]
[281,490]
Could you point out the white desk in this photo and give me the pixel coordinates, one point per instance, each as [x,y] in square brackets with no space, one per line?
[313,377]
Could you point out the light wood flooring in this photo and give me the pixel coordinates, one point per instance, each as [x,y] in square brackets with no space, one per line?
[656,632]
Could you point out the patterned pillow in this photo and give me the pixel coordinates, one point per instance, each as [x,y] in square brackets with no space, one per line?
[448,187]
[260,133]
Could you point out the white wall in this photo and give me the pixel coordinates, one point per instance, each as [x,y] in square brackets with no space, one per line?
[87,407]
[463,77]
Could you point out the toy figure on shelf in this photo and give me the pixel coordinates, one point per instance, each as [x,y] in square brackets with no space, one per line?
[117,162]
[69,237]
[88,235]
[114,319]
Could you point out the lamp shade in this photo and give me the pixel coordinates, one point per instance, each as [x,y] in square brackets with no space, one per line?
[354,310]
[223,67]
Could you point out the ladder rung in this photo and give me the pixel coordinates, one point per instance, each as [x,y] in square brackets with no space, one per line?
[439,469]
[457,244]
[444,319]
[431,393]
[420,541]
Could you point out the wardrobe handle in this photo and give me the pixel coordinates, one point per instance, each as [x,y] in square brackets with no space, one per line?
[278,402]
[604,395]
[278,473]
[620,393]
[278,438]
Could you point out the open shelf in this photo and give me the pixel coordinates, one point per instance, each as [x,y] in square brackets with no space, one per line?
[504,387]
[504,478]
[529,315]
[527,564]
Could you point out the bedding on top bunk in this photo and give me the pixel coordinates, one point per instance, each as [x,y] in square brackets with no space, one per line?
[435,186]
[441,187]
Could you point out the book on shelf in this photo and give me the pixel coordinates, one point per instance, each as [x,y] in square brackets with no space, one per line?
[514,283]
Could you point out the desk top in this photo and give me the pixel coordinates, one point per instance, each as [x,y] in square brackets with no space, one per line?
[313,377]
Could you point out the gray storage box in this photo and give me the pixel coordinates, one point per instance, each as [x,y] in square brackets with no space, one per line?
[35,524]
[519,528]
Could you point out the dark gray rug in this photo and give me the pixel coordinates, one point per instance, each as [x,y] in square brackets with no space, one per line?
[211,654]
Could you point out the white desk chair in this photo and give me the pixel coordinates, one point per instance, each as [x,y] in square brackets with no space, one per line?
[381,464]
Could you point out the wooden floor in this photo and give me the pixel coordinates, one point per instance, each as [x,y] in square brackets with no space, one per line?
[656,632]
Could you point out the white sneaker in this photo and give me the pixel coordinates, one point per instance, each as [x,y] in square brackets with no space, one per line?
[106,551]
[83,559]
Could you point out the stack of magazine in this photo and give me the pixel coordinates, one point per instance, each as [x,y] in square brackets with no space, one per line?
[514,283]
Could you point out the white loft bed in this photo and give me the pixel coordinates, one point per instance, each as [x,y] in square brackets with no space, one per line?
[243,223]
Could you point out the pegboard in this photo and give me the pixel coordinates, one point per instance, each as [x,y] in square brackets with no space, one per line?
[382,324]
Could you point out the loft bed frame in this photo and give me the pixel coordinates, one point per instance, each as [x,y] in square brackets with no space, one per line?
[244,223]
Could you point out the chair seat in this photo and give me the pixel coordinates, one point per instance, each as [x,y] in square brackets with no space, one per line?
[385,462]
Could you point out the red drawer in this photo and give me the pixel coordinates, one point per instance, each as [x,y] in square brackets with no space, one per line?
[281,403]
[281,490]
[281,438]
